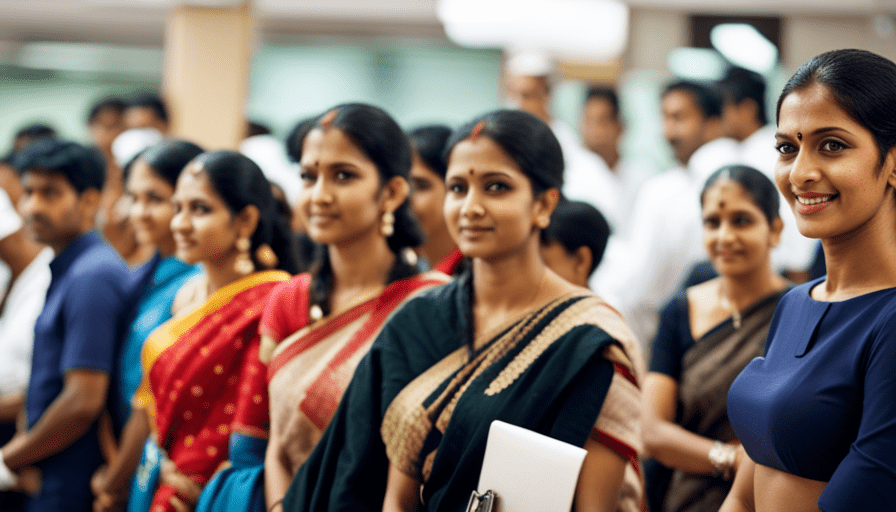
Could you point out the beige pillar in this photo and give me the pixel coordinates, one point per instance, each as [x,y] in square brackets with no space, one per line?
[206,82]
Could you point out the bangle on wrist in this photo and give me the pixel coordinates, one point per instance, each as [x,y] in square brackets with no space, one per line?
[722,457]
[8,479]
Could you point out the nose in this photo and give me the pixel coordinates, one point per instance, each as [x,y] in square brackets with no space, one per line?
[726,233]
[802,170]
[472,205]
[320,192]
[138,209]
[180,223]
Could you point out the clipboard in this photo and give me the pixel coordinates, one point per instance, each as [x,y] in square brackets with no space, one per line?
[527,471]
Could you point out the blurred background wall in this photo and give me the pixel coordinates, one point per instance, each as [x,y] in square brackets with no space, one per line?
[59,56]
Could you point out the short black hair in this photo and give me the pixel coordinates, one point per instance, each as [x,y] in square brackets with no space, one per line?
[36,131]
[83,167]
[575,224]
[741,84]
[707,98]
[604,93]
[111,103]
[151,101]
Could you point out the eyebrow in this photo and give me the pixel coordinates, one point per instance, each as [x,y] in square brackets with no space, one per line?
[826,129]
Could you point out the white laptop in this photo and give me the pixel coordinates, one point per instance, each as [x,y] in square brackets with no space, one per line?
[528,471]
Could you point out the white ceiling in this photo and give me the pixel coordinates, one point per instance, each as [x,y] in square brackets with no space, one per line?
[141,22]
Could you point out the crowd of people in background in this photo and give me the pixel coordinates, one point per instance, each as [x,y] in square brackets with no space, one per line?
[334,321]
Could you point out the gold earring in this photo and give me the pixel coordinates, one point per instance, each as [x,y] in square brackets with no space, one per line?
[243,264]
[266,256]
[388,226]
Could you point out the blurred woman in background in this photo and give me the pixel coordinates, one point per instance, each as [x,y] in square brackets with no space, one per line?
[707,335]
[428,197]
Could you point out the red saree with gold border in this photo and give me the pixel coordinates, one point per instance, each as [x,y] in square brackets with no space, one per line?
[203,380]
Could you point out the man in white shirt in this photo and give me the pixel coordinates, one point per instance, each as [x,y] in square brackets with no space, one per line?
[744,119]
[666,234]
[586,177]
[29,266]
[602,131]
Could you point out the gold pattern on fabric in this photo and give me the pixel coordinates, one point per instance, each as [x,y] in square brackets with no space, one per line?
[406,423]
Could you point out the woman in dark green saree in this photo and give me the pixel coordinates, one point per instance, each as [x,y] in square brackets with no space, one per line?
[509,340]
[707,335]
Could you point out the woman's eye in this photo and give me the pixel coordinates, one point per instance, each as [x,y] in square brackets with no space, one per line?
[456,188]
[344,175]
[742,221]
[307,176]
[833,146]
[497,186]
[711,223]
[785,148]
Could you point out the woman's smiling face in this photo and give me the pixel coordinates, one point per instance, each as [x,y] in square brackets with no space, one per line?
[829,167]
[490,207]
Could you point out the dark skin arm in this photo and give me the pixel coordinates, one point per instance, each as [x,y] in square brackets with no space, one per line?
[10,407]
[111,484]
[80,403]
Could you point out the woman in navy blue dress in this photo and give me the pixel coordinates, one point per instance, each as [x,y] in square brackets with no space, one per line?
[817,414]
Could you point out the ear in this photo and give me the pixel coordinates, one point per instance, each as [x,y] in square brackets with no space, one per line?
[889,167]
[583,259]
[776,228]
[544,207]
[246,221]
[394,192]
[89,203]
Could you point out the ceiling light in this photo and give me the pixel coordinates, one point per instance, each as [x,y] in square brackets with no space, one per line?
[576,29]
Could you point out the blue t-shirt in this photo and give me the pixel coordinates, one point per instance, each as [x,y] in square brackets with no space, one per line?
[821,404]
[78,329]
[154,308]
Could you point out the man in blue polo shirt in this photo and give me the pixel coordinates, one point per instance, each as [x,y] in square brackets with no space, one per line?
[76,334]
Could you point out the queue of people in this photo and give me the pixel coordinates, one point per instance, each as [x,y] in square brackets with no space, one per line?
[447,280]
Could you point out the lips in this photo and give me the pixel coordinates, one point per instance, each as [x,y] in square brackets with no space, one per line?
[809,203]
[475,230]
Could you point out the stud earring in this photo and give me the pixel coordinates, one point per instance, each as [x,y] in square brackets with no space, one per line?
[243,264]
[388,226]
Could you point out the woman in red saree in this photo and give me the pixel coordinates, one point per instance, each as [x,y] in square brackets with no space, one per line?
[203,383]
[355,163]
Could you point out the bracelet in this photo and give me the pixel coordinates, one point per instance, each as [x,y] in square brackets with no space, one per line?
[8,479]
[722,457]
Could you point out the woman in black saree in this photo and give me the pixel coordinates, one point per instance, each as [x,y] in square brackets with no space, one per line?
[508,340]
[707,335]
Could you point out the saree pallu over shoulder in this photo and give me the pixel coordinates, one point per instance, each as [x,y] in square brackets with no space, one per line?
[318,360]
[708,370]
[203,379]
[550,371]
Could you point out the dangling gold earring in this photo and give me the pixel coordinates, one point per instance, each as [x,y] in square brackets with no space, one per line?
[387,228]
[243,264]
